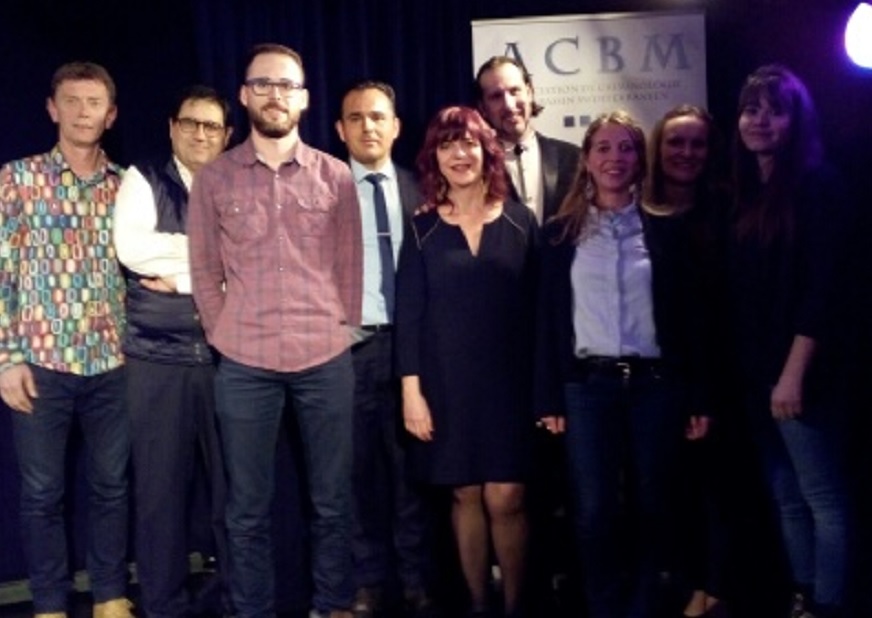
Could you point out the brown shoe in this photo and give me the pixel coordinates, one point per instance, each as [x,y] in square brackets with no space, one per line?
[51,615]
[114,608]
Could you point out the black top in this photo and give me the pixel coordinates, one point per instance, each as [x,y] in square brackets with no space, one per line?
[464,325]
[795,286]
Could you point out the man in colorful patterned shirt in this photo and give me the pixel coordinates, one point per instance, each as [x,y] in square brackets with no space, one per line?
[61,317]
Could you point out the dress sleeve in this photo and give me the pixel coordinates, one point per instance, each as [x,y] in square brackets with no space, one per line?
[411,302]
[547,395]
[823,233]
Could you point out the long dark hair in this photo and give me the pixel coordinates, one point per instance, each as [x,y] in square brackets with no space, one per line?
[764,210]
[572,214]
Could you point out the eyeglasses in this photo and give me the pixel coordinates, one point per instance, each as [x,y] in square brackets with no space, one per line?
[190,125]
[261,86]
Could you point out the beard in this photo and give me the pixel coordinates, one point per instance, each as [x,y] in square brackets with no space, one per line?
[272,128]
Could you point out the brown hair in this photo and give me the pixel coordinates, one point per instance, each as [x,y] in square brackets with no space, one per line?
[273,48]
[497,61]
[572,214]
[83,71]
[765,210]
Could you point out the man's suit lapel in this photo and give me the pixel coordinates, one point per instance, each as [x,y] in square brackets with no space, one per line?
[548,157]
[410,196]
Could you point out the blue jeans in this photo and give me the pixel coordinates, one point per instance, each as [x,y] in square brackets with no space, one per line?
[250,402]
[41,444]
[803,467]
[621,439]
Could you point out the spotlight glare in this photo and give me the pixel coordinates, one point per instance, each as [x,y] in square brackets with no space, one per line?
[858,36]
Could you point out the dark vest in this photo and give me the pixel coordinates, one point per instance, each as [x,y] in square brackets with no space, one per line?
[164,328]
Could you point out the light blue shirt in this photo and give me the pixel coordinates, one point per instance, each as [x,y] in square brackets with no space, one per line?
[613,311]
[374,310]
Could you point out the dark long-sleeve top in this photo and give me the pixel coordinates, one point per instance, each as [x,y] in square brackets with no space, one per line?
[555,356]
[783,289]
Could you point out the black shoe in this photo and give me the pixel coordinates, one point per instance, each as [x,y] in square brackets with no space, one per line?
[418,603]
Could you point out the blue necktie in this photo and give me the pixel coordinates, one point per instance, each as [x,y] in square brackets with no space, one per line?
[385,249]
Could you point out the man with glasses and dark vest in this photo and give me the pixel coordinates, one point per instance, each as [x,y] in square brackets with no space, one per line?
[170,388]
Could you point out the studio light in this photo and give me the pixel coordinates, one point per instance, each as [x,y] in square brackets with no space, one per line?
[858,36]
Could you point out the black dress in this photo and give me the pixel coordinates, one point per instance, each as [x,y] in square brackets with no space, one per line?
[464,326]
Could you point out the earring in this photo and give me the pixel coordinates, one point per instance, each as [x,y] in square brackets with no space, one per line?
[589,190]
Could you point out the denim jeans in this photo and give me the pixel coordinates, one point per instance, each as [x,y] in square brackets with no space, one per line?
[622,437]
[250,402]
[803,467]
[97,402]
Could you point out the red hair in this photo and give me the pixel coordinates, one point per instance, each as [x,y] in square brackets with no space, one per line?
[451,124]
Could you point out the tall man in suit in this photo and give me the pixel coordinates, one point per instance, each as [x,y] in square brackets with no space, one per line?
[389,519]
[541,168]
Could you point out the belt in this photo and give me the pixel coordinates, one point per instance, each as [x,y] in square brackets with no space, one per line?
[624,367]
[377,328]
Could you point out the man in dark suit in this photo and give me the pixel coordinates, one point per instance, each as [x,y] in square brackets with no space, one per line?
[389,519]
[541,168]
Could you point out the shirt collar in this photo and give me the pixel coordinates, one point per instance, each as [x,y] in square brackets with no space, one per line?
[360,172]
[528,143]
[246,154]
[185,174]
[105,167]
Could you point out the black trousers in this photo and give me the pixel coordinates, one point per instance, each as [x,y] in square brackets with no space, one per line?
[174,439]
[389,530]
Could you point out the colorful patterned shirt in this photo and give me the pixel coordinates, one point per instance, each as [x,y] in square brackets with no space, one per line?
[61,288]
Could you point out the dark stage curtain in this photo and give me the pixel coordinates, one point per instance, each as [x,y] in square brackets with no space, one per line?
[423,48]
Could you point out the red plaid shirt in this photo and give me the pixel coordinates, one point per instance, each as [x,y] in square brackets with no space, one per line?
[276,257]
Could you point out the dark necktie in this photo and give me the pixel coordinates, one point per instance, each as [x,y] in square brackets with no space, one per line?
[385,249]
[518,149]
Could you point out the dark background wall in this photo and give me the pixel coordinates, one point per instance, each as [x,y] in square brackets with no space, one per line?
[422,47]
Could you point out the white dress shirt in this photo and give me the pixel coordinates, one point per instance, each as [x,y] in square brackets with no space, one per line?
[138,245]
[531,162]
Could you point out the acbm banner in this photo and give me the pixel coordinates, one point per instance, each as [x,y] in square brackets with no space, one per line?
[585,65]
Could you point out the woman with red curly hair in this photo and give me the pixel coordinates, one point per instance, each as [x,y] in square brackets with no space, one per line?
[464,342]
